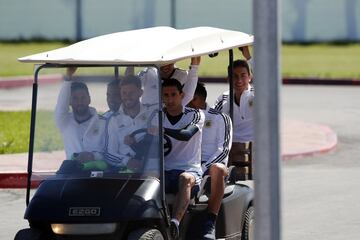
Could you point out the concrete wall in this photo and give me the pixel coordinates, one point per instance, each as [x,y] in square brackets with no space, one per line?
[302,20]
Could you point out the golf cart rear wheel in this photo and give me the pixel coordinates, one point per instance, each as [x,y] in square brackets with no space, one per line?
[146,234]
[249,224]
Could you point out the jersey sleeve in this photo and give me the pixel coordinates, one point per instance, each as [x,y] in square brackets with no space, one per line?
[62,105]
[219,103]
[190,84]
[224,140]
[149,79]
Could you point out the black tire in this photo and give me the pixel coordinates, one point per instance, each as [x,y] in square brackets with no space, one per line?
[30,234]
[145,234]
[249,224]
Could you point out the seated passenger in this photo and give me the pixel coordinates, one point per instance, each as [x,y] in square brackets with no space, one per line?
[243,109]
[82,128]
[112,98]
[121,145]
[183,128]
[150,76]
[215,147]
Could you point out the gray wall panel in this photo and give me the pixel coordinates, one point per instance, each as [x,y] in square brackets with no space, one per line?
[302,20]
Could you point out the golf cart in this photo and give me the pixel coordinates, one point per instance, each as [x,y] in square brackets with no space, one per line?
[93,200]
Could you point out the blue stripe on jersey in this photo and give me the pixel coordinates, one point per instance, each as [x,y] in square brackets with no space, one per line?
[196,117]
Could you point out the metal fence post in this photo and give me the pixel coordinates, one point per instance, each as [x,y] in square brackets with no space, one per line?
[78,17]
[173,13]
[267,136]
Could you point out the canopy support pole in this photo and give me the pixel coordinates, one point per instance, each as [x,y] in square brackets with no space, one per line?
[267,139]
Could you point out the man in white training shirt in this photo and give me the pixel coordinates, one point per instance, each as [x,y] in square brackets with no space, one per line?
[112,98]
[215,148]
[121,146]
[243,109]
[182,128]
[82,128]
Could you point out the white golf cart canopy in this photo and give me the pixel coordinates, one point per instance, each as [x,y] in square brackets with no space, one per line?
[157,45]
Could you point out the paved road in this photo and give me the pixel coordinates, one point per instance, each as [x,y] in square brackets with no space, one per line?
[320,194]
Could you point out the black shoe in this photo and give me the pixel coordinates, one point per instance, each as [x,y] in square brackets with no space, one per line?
[209,231]
[174,230]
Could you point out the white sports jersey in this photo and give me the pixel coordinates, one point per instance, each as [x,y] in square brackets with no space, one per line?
[243,114]
[120,125]
[185,155]
[78,137]
[150,76]
[216,138]
[108,114]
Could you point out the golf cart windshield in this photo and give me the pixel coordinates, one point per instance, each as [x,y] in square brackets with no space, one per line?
[96,122]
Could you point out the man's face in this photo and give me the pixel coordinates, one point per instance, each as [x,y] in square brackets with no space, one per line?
[196,102]
[113,97]
[79,102]
[241,78]
[166,70]
[172,98]
[130,95]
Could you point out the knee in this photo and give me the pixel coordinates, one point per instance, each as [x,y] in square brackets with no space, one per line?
[186,180]
[218,170]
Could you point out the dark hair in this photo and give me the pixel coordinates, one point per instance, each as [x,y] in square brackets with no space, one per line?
[241,63]
[114,83]
[201,90]
[172,82]
[131,79]
[79,86]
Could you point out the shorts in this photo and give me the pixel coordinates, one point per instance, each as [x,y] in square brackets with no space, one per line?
[172,181]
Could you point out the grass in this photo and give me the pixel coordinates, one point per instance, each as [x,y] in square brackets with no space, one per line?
[14,135]
[10,52]
[319,60]
[15,128]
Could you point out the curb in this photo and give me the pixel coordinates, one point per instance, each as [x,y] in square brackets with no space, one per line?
[24,81]
[324,137]
[320,81]
[16,180]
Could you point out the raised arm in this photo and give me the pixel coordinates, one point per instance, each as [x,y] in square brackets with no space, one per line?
[191,81]
[62,105]
[247,55]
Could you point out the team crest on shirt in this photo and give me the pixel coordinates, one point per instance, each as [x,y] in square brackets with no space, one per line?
[251,102]
[207,123]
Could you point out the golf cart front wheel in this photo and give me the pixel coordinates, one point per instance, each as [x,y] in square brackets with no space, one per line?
[249,224]
[146,234]
[30,234]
